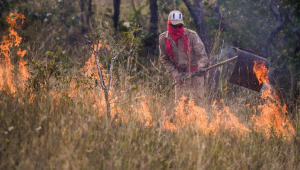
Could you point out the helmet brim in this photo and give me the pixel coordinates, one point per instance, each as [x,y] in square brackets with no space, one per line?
[175,22]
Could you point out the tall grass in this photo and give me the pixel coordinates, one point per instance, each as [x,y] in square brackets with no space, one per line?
[57,130]
[58,133]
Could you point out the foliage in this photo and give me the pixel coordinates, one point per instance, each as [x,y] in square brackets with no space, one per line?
[43,72]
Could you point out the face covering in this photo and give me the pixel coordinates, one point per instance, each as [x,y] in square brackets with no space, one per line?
[175,33]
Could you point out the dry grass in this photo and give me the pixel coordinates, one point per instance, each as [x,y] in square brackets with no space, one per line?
[56,130]
[62,133]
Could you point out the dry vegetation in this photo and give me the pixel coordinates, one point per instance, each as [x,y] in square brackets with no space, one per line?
[63,125]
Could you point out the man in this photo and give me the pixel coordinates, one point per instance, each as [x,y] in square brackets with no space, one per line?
[183,55]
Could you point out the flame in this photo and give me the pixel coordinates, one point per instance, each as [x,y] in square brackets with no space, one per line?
[23,70]
[95,96]
[166,124]
[90,67]
[186,114]
[260,71]
[55,97]
[144,115]
[273,112]
[7,81]
[225,119]
[31,97]
[232,124]
[189,114]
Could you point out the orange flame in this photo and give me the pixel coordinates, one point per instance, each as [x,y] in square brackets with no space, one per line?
[94,96]
[23,70]
[7,82]
[260,71]
[188,114]
[144,115]
[273,113]
[90,67]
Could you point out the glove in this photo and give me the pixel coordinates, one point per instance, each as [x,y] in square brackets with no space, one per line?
[179,79]
[200,71]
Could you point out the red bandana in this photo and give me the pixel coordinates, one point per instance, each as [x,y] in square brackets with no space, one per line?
[175,33]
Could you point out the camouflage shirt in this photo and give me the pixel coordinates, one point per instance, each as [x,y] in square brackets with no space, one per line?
[198,55]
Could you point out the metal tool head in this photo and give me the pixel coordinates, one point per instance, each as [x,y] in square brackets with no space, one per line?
[243,74]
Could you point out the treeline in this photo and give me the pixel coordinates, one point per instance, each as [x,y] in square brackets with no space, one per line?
[269,28]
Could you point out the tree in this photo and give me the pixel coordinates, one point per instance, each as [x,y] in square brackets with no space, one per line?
[153,18]
[223,25]
[197,14]
[83,29]
[151,39]
[89,14]
[117,4]
[85,24]
[270,29]
[105,87]
[273,33]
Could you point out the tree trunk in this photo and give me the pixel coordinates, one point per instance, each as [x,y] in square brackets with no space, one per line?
[83,29]
[117,4]
[266,44]
[278,27]
[89,14]
[108,109]
[197,14]
[153,18]
[298,34]
[136,14]
[151,39]
[223,25]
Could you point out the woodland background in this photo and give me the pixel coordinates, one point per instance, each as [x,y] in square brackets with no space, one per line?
[48,126]
[267,28]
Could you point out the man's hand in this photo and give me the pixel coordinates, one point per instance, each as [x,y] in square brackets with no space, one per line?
[179,79]
[182,77]
[200,71]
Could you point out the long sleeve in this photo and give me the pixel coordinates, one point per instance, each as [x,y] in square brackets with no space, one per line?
[164,58]
[199,50]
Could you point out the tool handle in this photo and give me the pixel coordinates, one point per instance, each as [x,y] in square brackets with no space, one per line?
[216,65]
[221,63]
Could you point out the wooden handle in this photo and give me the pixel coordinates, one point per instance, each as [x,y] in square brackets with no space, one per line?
[216,65]
[221,63]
